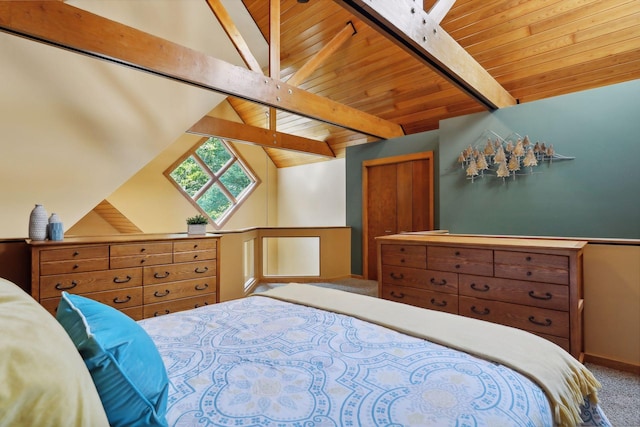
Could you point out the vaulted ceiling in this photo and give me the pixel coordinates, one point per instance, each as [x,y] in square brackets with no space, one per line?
[347,72]
[533,49]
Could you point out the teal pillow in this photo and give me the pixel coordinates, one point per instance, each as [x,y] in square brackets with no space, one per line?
[123,361]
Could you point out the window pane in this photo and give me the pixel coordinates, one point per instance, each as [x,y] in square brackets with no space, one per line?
[235,179]
[214,202]
[214,154]
[190,176]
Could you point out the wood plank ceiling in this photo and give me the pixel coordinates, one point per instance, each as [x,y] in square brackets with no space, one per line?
[534,49]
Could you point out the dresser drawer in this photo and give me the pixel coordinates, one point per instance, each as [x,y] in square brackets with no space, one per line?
[555,297]
[438,281]
[83,283]
[141,260]
[414,256]
[74,253]
[532,266]
[177,272]
[194,255]
[143,248]
[185,288]
[195,245]
[421,298]
[119,298]
[460,260]
[160,309]
[534,319]
[73,266]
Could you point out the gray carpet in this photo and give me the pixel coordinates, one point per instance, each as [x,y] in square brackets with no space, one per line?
[620,393]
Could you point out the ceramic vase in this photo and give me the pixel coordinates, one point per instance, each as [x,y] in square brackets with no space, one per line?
[56,230]
[38,223]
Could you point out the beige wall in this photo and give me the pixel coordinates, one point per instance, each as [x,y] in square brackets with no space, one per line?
[74,129]
[612,302]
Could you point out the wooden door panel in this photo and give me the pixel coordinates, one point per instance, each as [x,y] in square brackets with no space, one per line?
[381,208]
[404,201]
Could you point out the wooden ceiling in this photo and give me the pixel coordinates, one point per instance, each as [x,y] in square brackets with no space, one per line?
[534,49]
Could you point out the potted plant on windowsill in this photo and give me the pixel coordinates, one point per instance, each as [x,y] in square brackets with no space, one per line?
[197,224]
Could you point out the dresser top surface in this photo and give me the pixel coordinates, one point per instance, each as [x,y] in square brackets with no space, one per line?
[479,240]
[120,238]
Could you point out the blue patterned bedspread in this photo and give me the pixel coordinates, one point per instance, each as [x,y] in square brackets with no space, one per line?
[258,361]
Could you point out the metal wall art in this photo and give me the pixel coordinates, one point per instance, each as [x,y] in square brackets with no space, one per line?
[505,157]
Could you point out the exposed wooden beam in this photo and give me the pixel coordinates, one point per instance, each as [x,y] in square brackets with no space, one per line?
[403,22]
[234,35]
[274,52]
[212,126]
[68,27]
[327,50]
[440,9]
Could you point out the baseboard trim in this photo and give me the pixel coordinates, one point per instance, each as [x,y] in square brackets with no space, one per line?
[613,364]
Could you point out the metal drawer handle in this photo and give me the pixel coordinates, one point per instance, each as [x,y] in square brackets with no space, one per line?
[481,313]
[195,256]
[484,288]
[61,287]
[200,305]
[159,295]
[438,304]
[76,253]
[202,288]
[195,246]
[547,322]
[161,276]
[160,313]
[121,301]
[119,280]
[546,296]
[397,276]
[143,249]
[457,253]
[441,283]
[197,270]
[400,295]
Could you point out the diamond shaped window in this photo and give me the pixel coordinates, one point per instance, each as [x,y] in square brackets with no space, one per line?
[214,177]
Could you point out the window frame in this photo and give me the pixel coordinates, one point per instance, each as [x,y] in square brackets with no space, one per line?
[215,176]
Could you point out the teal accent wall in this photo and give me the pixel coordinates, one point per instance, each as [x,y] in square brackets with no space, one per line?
[427,141]
[595,195]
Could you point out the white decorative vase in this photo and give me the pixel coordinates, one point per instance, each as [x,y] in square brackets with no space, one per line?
[38,223]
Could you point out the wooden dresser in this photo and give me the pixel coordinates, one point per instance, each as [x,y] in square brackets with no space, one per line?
[527,283]
[143,275]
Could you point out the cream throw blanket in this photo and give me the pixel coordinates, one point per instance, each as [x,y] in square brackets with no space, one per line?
[565,380]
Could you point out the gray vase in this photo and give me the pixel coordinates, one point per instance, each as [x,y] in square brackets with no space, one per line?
[38,223]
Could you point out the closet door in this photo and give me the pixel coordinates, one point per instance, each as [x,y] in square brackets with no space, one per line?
[398,197]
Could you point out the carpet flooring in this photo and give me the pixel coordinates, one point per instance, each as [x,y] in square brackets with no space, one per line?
[620,393]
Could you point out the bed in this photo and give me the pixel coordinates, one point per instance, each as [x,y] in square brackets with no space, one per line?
[301,355]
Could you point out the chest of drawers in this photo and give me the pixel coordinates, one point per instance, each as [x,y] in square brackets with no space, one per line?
[142,275]
[531,284]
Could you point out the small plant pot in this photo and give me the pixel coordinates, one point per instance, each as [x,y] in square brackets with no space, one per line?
[197,229]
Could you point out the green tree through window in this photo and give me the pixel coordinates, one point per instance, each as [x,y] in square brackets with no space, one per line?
[214,178]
